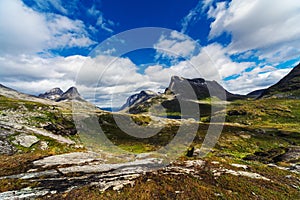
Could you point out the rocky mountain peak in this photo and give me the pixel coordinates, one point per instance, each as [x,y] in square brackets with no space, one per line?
[71,94]
[202,88]
[53,94]
[138,98]
[56,94]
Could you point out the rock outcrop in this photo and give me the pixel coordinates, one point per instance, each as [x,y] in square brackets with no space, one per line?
[53,94]
[139,98]
[200,88]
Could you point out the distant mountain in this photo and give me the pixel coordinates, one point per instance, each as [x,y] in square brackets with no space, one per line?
[256,93]
[288,86]
[11,93]
[71,94]
[202,89]
[138,98]
[56,94]
[53,94]
[187,91]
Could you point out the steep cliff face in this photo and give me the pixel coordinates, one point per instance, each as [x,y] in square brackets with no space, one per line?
[199,88]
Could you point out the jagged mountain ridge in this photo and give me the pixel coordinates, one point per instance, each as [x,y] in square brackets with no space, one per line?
[53,94]
[138,98]
[56,94]
[188,90]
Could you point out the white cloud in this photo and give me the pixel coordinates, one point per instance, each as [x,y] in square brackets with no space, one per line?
[175,45]
[48,4]
[67,33]
[258,78]
[194,14]
[269,26]
[24,30]
[215,56]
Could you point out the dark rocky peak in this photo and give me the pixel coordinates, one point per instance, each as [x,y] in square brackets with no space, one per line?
[71,94]
[199,87]
[138,98]
[53,94]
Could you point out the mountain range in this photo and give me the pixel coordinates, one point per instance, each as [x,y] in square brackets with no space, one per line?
[179,88]
[198,89]
[56,94]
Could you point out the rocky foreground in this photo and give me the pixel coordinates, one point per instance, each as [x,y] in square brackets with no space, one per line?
[60,174]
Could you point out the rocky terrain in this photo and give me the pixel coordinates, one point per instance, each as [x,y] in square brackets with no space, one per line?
[257,155]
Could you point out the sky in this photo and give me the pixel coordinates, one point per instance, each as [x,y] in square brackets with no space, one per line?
[108,50]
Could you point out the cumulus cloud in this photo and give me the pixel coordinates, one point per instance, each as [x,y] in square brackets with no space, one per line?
[258,78]
[175,45]
[273,32]
[24,30]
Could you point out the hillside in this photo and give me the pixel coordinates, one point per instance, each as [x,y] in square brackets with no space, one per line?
[44,156]
[288,86]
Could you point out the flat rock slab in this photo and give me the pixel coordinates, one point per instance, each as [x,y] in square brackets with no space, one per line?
[99,168]
[74,158]
[26,193]
[25,140]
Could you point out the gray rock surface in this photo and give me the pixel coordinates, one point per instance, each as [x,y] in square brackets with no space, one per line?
[6,148]
[25,140]
[68,159]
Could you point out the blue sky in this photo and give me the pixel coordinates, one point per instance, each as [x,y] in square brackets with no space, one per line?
[244,44]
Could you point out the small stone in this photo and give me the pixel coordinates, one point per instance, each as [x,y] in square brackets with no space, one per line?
[43,145]
[25,140]
[239,166]
[245,136]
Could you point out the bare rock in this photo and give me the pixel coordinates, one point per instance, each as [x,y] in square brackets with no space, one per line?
[67,159]
[6,148]
[25,140]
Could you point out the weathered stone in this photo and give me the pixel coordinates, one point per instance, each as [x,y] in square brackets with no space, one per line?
[6,148]
[25,140]
[26,193]
[43,145]
[247,174]
[68,159]
[239,166]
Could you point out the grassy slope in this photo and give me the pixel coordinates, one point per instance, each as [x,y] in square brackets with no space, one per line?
[253,126]
[267,125]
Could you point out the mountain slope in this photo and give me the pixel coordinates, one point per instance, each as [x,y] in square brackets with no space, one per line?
[138,98]
[202,89]
[11,93]
[288,86]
